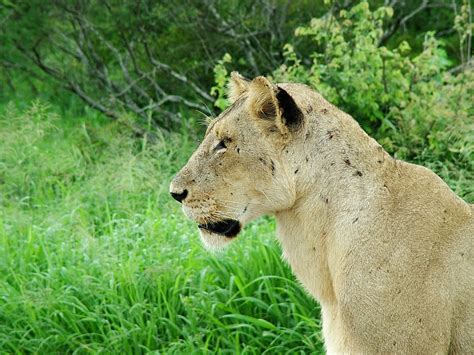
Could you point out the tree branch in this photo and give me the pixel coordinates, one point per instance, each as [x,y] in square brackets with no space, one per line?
[401,21]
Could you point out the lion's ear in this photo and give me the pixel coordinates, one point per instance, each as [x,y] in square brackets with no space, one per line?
[273,105]
[263,104]
[262,101]
[237,86]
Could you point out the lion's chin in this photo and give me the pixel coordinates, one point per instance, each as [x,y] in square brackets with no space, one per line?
[214,242]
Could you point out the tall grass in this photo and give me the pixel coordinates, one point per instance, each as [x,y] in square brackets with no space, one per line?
[95,257]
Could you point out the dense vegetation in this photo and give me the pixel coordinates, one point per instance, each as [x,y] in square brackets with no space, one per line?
[146,61]
[94,256]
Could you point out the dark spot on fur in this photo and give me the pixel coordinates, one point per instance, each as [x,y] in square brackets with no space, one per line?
[307,135]
[348,162]
[193,181]
[332,163]
[273,166]
[355,220]
[238,150]
[419,320]
[358,173]
[291,113]
[327,200]
[314,248]
[399,291]
[307,159]
[332,133]
[462,254]
[325,110]
[394,343]
[309,109]
[445,211]
[286,151]
[232,194]
[296,171]
[379,161]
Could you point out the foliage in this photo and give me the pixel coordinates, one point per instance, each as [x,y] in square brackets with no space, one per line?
[220,78]
[464,27]
[149,60]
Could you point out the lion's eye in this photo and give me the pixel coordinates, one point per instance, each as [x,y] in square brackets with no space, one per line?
[220,146]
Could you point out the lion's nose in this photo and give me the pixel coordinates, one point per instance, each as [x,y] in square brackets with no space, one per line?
[179,196]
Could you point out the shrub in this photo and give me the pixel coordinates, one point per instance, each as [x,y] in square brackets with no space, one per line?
[410,102]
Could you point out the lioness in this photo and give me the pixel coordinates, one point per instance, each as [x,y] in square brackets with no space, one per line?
[385,246]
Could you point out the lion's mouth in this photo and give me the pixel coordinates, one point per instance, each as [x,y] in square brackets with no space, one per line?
[228,227]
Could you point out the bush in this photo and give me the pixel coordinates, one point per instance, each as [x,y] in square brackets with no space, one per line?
[417,109]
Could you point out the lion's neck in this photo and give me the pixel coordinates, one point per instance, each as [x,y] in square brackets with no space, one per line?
[336,181]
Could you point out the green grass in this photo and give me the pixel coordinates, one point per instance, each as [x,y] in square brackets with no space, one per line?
[95,257]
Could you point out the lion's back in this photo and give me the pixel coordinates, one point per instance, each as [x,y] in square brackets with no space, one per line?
[462,286]
[444,226]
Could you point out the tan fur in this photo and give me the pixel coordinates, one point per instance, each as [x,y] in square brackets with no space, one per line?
[237,86]
[385,246]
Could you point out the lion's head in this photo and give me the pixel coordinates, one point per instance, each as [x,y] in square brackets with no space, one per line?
[238,172]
